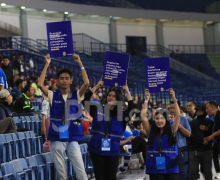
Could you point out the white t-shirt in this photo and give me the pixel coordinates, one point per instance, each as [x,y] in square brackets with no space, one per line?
[45,108]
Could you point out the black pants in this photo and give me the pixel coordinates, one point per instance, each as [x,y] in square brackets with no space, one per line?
[139,145]
[216,153]
[105,167]
[164,176]
[183,161]
[203,159]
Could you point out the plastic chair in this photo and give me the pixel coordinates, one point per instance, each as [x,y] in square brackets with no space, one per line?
[38,168]
[22,144]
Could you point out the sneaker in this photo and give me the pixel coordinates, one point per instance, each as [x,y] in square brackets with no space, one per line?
[217,176]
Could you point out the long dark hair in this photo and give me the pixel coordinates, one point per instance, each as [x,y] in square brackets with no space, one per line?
[155,131]
[119,97]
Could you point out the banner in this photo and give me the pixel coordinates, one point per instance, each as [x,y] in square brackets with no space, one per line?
[115,69]
[60,41]
[158,74]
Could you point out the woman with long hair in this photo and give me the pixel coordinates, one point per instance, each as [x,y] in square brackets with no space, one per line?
[162,151]
[108,126]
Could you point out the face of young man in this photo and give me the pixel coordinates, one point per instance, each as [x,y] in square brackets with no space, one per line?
[64,81]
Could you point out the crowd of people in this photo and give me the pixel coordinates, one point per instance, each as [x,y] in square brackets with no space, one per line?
[171,141]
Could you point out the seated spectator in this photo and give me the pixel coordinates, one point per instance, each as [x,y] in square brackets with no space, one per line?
[7,124]
[18,88]
[5,65]
[23,103]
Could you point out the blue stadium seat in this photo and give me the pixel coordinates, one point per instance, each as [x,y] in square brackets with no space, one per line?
[50,165]
[18,121]
[7,148]
[41,162]
[37,123]
[8,170]
[21,144]
[21,169]
[37,168]
[30,143]
[2,149]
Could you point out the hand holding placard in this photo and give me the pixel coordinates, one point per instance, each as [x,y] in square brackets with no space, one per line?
[47,59]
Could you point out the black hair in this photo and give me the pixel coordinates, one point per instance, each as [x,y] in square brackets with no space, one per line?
[67,71]
[193,102]
[27,87]
[18,81]
[118,92]
[213,103]
[155,131]
[137,123]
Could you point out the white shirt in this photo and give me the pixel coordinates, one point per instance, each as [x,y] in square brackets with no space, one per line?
[45,108]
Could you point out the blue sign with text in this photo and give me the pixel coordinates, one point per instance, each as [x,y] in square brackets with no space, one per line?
[115,69]
[158,74]
[60,41]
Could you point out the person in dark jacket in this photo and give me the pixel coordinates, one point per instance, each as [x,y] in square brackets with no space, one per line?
[23,103]
[8,70]
[7,124]
[200,153]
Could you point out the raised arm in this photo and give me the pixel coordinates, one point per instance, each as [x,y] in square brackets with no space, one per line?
[176,122]
[144,118]
[127,92]
[43,75]
[85,78]
[97,86]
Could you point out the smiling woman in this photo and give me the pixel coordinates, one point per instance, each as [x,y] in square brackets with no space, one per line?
[162,152]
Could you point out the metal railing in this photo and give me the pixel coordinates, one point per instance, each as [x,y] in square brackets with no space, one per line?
[194,49]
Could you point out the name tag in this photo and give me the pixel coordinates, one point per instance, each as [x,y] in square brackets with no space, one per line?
[63,132]
[160,163]
[106,144]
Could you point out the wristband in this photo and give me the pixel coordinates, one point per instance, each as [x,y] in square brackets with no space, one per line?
[82,68]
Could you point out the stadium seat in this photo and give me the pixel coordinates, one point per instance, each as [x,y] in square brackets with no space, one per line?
[21,169]
[22,144]
[41,161]
[50,165]
[2,149]
[8,170]
[7,147]
[38,169]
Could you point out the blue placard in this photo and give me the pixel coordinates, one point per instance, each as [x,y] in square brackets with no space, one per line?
[60,41]
[158,74]
[115,69]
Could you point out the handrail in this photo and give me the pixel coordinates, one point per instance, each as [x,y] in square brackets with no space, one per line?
[194,49]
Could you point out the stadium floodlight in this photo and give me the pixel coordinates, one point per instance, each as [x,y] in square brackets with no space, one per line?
[44,10]
[66,13]
[23,7]
[3,4]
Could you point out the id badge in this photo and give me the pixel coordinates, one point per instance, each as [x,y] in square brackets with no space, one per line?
[106,144]
[160,163]
[63,132]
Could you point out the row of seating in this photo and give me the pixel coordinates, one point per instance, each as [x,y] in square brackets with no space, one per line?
[35,167]
[28,122]
[19,145]
[40,167]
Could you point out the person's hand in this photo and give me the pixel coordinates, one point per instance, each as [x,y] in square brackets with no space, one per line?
[125,88]
[77,59]
[130,138]
[172,94]
[146,95]
[47,59]
[100,83]
[208,138]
